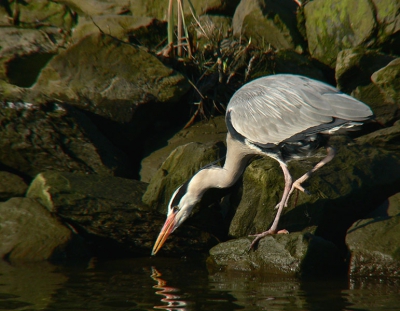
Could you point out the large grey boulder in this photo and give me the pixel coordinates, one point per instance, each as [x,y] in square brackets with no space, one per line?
[374,242]
[31,233]
[296,254]
[109,78]
[109,214]
[35,138]
[126,91]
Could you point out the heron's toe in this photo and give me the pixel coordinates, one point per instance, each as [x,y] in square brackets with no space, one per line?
[283,231]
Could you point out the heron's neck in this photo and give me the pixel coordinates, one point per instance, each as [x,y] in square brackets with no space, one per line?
[236,160]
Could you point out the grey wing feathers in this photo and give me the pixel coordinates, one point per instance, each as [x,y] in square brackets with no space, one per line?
[274,108]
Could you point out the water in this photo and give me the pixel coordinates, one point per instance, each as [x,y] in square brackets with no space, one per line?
[177,284]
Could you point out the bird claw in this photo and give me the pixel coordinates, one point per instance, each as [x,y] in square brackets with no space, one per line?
[261,235]
[257,238]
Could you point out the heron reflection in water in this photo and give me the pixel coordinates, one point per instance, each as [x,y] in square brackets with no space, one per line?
[284,117]
[171,299]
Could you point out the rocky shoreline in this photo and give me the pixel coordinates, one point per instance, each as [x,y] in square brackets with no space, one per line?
[92,140]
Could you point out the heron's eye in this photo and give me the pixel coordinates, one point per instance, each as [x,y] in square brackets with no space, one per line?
[175,208]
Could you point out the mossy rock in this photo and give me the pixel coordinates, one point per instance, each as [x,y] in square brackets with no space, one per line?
[297,254]
[35,138]
[39,13]
[385,110]
[114,76]
[336,25]
[387,15]
[388,79]
[266,24]
[201,132]
[354,67]
[388,138]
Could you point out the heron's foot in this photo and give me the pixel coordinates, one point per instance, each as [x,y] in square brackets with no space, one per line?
[261,235]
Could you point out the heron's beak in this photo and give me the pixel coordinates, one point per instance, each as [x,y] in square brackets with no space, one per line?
[165,232]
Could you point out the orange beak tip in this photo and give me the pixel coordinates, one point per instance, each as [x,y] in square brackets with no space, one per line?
[164,234]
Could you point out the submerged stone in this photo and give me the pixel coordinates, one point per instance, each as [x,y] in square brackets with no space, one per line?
[29,232]
[374,242]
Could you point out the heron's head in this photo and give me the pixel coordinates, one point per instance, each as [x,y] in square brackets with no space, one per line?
[179,208]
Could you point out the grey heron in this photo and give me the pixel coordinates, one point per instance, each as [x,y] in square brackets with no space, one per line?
[284,117]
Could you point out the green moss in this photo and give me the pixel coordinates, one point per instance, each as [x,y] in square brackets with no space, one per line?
[9,91]
[335,25]
[44,12]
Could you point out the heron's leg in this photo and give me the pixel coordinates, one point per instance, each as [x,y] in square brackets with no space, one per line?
[331,152]
[281,205]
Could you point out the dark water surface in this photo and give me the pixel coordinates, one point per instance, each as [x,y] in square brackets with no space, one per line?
[177,284]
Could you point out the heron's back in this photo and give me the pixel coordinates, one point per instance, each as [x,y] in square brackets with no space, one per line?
[276,108]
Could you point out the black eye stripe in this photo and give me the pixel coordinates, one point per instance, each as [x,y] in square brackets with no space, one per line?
[178,196]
